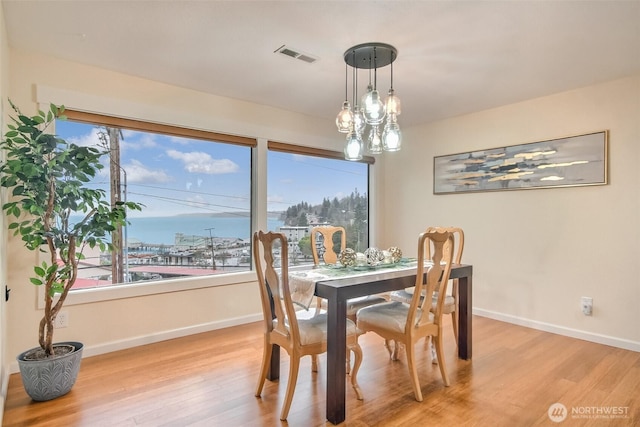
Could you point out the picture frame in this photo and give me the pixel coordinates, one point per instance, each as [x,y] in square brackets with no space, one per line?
[580,160]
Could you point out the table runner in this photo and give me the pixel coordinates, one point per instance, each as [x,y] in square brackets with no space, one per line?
[302,283]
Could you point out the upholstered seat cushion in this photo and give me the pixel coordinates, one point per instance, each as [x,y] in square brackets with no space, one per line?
[390,315]
[314,329]
[355,304]
[405,295]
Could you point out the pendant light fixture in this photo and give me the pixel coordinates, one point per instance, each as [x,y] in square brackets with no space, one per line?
[376,118]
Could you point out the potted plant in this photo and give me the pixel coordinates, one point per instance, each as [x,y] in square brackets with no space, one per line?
[47,181]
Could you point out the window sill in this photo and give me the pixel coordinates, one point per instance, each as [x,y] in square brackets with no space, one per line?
[133,290]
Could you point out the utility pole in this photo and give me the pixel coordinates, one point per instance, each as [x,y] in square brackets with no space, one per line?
[213,259]
[113,144]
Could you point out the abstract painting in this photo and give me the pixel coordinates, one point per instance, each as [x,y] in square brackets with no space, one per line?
[563,162]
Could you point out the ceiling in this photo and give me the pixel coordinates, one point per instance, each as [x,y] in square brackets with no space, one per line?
[454,57]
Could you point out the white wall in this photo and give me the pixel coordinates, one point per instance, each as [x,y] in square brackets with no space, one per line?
[4,86]
[536,252]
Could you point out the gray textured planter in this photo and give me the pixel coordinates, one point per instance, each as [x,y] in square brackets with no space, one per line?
[48,379]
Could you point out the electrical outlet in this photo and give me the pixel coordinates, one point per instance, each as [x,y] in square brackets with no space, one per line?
[62,320]
[587,305]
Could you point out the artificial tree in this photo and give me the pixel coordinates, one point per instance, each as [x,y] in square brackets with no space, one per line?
[48,179]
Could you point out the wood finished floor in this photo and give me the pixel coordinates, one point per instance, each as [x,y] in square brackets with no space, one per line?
[209,380]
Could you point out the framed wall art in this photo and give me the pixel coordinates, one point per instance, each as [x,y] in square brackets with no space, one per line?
[563,162]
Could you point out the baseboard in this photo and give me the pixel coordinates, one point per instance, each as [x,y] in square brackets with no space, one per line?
[560,330]
[157,337]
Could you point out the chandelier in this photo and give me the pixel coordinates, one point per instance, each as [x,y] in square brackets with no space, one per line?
[371,120]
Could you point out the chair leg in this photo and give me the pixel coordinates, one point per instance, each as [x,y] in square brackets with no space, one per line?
[432,347]
[266,358]
[454,325]
[387,344]
[441,363]
[314,363]
[348,362]
[357,351]
[291,385]
[413,372]
[397,348]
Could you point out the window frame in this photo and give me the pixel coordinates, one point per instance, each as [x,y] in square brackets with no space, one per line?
[137,289]
[284,147]
[259,150]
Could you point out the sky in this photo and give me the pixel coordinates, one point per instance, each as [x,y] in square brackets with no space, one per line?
[172,175]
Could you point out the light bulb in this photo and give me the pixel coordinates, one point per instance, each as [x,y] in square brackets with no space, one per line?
[353,149]
[374,142]
[373,107]
[344,118]
[392,103]
[358,120]
[391,136]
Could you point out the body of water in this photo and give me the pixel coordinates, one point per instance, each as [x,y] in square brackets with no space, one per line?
[162,230]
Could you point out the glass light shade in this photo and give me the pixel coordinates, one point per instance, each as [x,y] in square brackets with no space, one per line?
[344,118]
[373,107]
[358,120]
[391,136]
[353,149]
[392,103]
[374,142]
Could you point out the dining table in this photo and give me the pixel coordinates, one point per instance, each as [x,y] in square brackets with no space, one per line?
[337,288]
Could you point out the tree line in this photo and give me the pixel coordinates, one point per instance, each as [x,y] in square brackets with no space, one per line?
[350,212]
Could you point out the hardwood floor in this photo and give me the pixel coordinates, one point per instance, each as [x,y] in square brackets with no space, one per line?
[209,380]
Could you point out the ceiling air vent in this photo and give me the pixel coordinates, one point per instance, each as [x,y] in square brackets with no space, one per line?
[295,54]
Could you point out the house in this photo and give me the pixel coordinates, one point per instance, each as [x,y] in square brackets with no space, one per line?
[535,253]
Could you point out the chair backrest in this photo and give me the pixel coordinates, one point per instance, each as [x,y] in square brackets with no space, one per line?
[458,238]
[327,249]
[431,246]
[274,286]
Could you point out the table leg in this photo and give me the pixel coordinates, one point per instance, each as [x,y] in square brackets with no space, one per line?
[274,367]
[464,318]
[336,357]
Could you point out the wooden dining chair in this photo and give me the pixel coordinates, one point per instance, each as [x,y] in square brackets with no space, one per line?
[298,337]
[325,240]
[323,245]
[451,299]
[407,323]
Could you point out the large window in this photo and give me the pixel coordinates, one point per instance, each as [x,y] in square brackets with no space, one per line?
[308,188]
[196,188]
[196,192]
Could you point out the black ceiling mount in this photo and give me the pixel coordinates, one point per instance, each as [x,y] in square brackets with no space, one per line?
[370,55]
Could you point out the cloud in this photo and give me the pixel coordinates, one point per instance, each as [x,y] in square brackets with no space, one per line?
[87,140]
[199,162]
[133,140]
[137,173]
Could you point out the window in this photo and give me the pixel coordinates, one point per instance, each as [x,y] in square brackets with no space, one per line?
[196,190]
[310,187]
